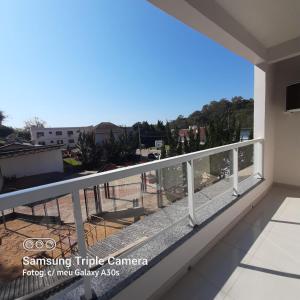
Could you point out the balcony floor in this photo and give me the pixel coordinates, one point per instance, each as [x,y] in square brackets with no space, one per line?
[258,259]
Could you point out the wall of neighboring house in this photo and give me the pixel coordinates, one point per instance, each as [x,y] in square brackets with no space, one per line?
[32,164]
[102,135]
[287,125]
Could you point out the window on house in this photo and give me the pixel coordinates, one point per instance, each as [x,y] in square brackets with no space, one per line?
[50,132]
[59,142]
[58,132]
[70,132]
[42,143]
[39,134]
[51,142]
[71,141]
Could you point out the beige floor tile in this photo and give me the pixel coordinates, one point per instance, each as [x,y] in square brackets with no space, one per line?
[258,285]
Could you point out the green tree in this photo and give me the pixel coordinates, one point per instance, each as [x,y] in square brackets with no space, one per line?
[2,117]
[112,149]
[179,148]
[91,153]
[251,134]
[186,146]
[163,153]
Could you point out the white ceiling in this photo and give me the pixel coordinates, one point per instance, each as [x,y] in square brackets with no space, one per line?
[262,31]
[271,22]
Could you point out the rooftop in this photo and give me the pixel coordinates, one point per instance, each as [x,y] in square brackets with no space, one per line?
[18,149]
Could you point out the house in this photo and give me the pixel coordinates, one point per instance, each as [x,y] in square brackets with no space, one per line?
[237,238]
[20,160]
[104,130]
[184,133]
[67,136]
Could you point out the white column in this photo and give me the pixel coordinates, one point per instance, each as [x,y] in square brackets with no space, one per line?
[81,241]
[190,183]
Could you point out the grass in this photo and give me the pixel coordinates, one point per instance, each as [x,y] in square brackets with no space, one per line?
[73,162]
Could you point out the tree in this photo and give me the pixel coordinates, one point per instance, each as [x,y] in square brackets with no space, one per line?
[163,152]
[197,140]
[34,122]
[91,153]
[5,131]
[160,126]
[112,149]
[2,117]
[251,134]
[186,145]
[179,148]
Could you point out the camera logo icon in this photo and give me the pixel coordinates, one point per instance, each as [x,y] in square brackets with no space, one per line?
[39,244]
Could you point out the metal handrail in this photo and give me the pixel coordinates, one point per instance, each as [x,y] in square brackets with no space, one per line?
[34,194]
[72,186]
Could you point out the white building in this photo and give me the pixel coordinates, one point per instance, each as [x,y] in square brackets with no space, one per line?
[20,160]
[67,136]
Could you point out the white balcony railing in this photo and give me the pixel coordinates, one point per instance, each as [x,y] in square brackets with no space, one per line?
[73,186]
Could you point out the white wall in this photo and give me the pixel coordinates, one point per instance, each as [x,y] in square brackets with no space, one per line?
[32,164]
[287,126]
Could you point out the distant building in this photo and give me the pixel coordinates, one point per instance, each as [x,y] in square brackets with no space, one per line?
[67,136]
[104,129]
[19,160]
[184,133]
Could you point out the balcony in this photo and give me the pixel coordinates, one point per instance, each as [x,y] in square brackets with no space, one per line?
[258,259]
[177,202]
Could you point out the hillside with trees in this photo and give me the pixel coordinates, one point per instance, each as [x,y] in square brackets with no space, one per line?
[221,119]
[238,110]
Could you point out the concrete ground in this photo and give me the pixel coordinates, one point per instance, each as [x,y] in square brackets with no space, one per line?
[258,259]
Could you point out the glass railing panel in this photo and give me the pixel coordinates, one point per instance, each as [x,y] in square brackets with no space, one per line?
[152,191]
[173,184]
[245,162]
[213,175]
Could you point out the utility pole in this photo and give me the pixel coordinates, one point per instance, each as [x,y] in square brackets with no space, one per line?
[140,144]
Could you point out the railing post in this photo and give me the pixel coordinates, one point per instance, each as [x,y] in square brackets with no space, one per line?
[258,160]
[81,241]
[235,155]
[158,187]
[190,183]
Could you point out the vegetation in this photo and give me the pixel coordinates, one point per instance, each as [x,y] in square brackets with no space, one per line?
[238,109]
[5,131]
[113,150]
[90,152]
[34,122]
[2,117]
[222,121]
[72,162]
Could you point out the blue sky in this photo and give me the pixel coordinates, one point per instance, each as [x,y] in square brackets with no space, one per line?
[75,63]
